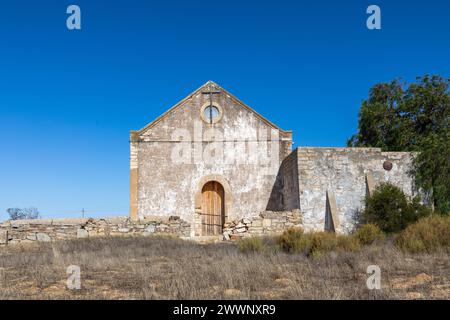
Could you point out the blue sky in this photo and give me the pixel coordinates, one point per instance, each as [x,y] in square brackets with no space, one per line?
[69,98]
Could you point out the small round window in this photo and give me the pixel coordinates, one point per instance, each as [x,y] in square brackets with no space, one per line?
[211,114]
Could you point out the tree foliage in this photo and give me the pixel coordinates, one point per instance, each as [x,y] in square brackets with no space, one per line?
[414,117]
[389,209]
[21,214]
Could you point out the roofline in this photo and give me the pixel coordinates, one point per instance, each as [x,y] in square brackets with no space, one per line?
[231,96]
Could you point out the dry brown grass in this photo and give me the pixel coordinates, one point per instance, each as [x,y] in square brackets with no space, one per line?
[167,268]
[428,234]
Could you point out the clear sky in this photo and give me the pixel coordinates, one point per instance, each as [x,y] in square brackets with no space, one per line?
[69,98]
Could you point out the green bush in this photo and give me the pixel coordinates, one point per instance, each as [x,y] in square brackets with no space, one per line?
[427,235]
[252,244]
[291,240]
[389,209]
[368,233]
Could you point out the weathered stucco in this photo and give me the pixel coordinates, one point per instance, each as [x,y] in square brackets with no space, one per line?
[179,149]
[342,172]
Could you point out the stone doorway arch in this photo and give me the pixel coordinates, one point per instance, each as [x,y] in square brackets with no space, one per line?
[200,209]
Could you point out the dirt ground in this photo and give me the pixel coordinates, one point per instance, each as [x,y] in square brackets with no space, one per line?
[168,268]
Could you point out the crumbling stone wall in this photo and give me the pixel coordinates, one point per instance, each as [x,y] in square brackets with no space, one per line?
[46,230]
[344,173]
[267,223]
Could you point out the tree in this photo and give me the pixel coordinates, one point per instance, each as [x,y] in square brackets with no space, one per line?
[431,168]
[25,213]
[398,117]
[378,125]
[389,209]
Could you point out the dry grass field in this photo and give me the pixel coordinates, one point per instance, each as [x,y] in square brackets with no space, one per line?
[168,268]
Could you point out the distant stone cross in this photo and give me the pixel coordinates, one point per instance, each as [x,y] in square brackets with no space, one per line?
[211,92]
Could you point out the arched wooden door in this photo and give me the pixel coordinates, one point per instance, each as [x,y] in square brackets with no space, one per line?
[213,208]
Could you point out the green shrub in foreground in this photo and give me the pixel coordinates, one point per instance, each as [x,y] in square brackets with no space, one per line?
[427,235]
[390,210]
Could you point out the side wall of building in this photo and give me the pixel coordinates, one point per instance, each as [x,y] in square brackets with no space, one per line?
[343,174]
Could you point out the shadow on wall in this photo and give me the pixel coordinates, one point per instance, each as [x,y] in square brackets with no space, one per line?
[276,199]
[285,191]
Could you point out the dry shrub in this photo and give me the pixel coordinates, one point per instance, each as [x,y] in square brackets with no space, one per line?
[368,234]
[348,243]
[316,243]
[427,235]
[321,242]
[291,240]
[252,244]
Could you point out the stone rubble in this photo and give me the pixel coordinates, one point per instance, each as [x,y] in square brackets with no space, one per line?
[267,223]
[47,230]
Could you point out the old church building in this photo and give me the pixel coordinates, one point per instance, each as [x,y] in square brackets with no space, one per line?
[211,159]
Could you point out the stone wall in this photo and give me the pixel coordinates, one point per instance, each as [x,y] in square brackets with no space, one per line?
[265,224]
[28,231]
[341,175]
